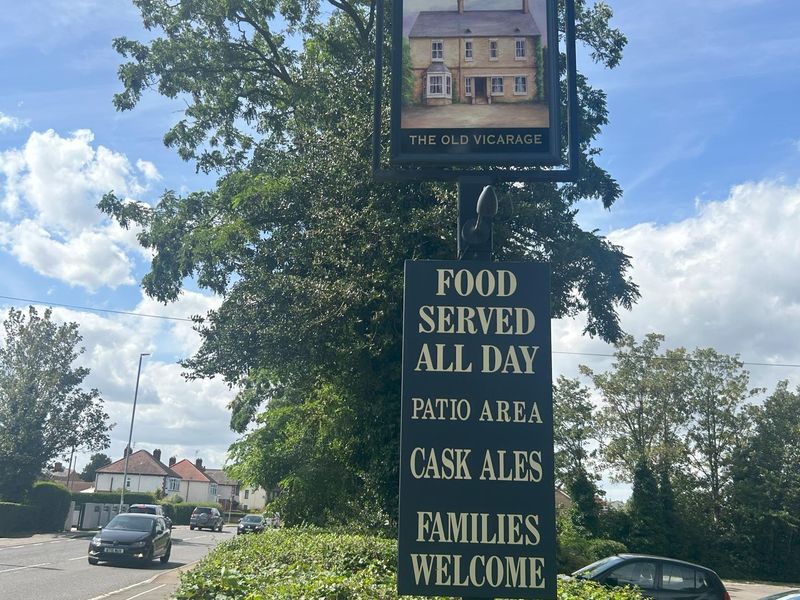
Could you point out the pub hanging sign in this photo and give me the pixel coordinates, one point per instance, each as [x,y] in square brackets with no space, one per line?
[475,82]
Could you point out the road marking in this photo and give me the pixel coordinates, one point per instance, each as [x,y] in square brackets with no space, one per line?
[26,567]
[126,588]
[78,557]
[146,591]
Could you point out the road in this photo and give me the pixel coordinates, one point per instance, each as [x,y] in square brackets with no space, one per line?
[54,566]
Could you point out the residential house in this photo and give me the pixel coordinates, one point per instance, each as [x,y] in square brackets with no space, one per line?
[69,479]
[196,485]
[474,56]
[146,473]
[227,488]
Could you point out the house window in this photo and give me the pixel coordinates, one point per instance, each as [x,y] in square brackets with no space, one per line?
[212,489]
[519,49]
[497,86]
[520,85]
[437,50]
[128,482]
[468,50]
[246,494]
[492,49]
[173,484]
[439,86]
[468,86]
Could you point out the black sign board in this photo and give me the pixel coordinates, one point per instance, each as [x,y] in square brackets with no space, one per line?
[475,82]
[477,505]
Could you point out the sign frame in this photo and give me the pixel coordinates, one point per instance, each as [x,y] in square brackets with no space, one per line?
[494,167]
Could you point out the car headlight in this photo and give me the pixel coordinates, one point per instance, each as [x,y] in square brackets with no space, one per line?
[141,544]
[95,541]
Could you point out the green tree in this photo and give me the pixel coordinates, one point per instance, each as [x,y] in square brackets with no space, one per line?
[95,462]
[763,503]
[43,408]
[648,532]
[719,390]
[305,247]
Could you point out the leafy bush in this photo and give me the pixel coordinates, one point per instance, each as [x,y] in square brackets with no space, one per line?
[317,564]
[577,549]
[17,517]
[52,501]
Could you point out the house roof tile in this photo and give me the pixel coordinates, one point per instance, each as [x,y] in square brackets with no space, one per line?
[221,477]
[140,462]
[188,471]
[477,23]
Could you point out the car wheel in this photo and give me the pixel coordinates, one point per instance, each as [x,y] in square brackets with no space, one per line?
[220,528]
[191,527]
[93,561]
[165,559]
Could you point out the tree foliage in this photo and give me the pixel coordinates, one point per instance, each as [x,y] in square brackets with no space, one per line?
[96,461]
[305,247]
[44,409]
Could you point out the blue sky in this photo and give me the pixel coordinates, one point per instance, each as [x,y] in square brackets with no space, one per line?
[704,137]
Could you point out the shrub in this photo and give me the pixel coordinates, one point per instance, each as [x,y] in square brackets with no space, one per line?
[17,517]
[113,498]
[319,564]
[52,500]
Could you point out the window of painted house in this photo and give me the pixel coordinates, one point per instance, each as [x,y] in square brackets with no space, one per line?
[437,50]
[519,49]
[468,50]
[173,484]
[468,86]
[212,489]
[497,86]
[492,49]
[520,85]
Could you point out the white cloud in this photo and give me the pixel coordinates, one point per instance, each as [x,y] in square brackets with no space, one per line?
[50,190]
[726,278]
[9,123]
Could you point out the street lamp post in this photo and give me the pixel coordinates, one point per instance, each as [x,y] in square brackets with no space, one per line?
[128,449]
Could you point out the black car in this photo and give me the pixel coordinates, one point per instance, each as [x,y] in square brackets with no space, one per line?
[657,577]
[205,517]
[133,538]
[251,524]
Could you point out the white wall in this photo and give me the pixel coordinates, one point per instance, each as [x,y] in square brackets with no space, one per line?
[106,482]
[195,491]
[256,498]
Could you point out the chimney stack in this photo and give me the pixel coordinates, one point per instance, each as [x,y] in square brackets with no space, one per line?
[525,7]
[157,454]
[58,467]
[198,462]
[460,7]
[172,461]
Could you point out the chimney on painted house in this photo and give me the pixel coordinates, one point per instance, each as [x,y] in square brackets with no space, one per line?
[525,7]
[198,462]
[172,461]
[460,7]
[157,454]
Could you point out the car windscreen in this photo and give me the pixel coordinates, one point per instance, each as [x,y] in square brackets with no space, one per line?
[130,523]
[597,567]
[252,519]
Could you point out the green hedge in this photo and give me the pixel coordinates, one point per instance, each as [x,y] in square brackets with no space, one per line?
[314,564]
[52,500]
[181,511]
[16,518]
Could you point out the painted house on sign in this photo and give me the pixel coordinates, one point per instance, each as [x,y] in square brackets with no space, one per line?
[474,56]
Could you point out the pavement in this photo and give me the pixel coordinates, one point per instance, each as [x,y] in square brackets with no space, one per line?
[745,590]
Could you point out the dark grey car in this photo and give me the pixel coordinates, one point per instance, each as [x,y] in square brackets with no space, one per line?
[205,517]
[657,577]
[132,538]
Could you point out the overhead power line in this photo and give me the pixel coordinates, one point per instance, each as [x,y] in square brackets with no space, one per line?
[184,319]
[103,310]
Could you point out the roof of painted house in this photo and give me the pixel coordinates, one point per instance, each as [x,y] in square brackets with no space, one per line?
[187,470]
[479,23]
[221,477]
[140,462]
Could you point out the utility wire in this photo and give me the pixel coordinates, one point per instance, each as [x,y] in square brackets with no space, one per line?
[104,310]
[595,354]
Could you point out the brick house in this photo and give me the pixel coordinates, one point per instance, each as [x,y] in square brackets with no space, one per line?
[474,56]
[146,473]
